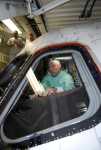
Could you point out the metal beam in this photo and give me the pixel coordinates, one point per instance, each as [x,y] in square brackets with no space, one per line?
[45,8]
[40,20]
[10,8]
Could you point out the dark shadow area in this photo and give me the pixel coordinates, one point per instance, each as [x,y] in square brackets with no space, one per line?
[7,74]
[39,113]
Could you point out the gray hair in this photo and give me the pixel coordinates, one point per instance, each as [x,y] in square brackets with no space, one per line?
[54,61]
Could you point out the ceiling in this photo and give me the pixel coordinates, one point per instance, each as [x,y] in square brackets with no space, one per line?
[70,12]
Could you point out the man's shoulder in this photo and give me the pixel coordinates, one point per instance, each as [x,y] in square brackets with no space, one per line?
[11,39]
[65,74]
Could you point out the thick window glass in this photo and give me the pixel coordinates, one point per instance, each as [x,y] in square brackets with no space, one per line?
[36,111]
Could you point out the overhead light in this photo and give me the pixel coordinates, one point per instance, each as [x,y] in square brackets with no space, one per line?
[64,58]
[10,24]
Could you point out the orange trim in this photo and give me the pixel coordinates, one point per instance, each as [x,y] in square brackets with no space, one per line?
[61,45]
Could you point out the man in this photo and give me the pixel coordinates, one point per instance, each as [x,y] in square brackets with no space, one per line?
[16,41]
[56,79]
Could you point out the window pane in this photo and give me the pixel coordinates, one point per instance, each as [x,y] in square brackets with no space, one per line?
[34,112]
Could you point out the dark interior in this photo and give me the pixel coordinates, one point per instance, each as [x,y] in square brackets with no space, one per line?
[43,112]
[8,73]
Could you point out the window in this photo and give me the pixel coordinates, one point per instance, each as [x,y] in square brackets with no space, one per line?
[41,114]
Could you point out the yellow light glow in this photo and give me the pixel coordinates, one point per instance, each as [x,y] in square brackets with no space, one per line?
[10,24]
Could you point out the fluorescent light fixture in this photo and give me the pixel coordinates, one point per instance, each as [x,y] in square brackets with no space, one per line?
[10,24]
[64,58]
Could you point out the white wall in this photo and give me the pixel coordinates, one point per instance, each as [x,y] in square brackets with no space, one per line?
[88,34]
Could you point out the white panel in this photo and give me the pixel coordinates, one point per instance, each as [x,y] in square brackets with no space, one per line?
[54,145]
[98,131]
[85,140]
[87,34]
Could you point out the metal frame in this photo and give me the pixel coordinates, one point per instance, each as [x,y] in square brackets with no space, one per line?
[45,8]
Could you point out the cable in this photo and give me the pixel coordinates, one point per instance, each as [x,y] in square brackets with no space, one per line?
[89,12]
[84,10]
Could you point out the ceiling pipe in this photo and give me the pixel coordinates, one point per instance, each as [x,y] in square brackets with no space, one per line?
[89,12]
[84,10]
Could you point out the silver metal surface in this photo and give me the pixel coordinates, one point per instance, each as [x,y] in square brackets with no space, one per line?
[49,6]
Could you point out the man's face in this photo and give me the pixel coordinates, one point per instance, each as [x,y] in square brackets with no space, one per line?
[15,34]
[54,68]
[31,37]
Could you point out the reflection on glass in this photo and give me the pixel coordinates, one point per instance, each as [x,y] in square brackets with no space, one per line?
[35,112]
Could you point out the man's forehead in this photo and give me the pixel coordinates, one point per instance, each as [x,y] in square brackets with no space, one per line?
[54,62]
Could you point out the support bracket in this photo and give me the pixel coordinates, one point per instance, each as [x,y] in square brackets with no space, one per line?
[34,11]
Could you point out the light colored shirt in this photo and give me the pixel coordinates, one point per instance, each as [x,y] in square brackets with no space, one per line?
[17,43]
[61,81]
[16,46]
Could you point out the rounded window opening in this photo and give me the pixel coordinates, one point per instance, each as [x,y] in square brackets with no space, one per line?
[37,113]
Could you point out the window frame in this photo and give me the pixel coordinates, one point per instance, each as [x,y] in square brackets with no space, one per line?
[76,128]
[47,130]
